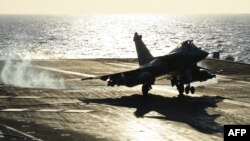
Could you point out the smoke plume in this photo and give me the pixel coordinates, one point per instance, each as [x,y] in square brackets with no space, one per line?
[21,73]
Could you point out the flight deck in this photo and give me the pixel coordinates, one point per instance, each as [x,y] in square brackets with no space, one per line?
[89,110]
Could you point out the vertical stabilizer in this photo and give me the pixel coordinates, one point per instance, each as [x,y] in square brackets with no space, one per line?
[143,54]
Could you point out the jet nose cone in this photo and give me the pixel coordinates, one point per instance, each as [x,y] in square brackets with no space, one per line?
[204,54]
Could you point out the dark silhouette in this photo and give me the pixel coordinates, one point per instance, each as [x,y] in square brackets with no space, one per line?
[180,65]
[189,110]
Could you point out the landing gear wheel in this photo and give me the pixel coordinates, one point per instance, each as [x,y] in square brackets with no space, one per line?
[192,89]
[187,89]
[173,82]
[145,89]
[180,88]
[110,84]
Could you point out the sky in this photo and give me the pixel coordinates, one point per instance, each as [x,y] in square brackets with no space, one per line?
[80,7]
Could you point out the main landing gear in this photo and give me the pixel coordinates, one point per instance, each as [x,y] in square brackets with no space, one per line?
[187,89]
[180,88]
[145,89]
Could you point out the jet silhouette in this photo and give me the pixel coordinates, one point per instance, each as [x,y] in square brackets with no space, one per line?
[180,66]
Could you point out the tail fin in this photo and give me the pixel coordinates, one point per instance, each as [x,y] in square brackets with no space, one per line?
[143,54]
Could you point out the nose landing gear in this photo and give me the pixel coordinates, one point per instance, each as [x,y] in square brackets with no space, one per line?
[180,88]
[187,89]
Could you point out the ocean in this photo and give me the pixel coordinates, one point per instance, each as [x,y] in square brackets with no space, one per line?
[111,36]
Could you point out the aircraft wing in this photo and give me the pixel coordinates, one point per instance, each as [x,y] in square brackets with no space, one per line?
[119,75]
[119,78]
[225,67]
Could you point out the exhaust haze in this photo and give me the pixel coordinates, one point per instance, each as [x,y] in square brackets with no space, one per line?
[21,73]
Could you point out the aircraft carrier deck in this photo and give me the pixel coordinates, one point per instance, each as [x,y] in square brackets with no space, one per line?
[90,110]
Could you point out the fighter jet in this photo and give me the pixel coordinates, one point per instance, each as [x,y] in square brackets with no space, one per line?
[180,67]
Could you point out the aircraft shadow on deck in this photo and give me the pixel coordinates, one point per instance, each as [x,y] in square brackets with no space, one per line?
[189,110]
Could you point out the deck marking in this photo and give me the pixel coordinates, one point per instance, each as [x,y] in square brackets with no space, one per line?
[20,132]
[14,110]
[21,97]
[45,110]
[236,102]
[65,71]
[123,65]
[49,110]
[77,111]
[1,134]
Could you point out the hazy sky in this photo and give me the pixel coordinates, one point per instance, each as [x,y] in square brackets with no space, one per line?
[123,6]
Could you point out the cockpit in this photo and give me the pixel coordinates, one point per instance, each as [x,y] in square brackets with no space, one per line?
[187,45]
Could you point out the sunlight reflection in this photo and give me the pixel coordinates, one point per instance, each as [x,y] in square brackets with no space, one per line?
[111,36]
[144,131]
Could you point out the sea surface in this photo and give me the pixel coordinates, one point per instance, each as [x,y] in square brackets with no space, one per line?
[111,36]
